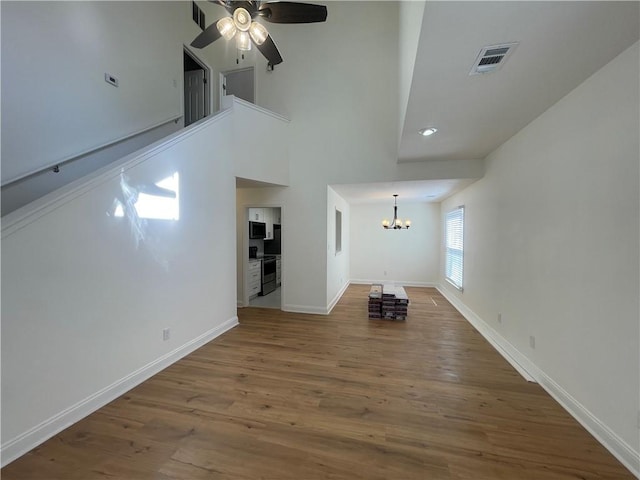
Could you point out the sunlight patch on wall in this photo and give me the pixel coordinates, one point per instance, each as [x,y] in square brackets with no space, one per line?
[160,201]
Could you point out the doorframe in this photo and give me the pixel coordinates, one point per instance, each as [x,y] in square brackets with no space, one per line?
[208,76]
[221,76]
[245,255]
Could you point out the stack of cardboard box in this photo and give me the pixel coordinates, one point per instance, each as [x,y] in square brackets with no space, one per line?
[389,302]
[375,301]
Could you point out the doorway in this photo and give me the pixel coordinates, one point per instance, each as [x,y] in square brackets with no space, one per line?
[264,261]
[196,88]
[240,83]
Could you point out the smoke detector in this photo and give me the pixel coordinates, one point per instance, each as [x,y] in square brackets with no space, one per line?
[491,58]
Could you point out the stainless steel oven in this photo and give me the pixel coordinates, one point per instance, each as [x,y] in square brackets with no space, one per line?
[268,274]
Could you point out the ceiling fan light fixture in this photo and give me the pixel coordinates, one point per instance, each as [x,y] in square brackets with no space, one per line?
[242,19]
[258,33]
[425,132]
[243,41]
[226,27]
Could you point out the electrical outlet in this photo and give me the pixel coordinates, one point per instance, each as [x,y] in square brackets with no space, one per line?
[499,318]
[385,273]
[166,334]
[532,341]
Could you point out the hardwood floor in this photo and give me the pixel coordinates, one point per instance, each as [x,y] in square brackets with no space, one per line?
[292,396]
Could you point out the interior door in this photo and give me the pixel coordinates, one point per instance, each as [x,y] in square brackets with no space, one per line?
[194,106]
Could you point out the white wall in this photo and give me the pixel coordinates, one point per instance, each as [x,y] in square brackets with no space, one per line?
[26,190]
[405,257]
[56,106]
[260,142]
[338,134]
[552,243]
[343,106]
[337,261]
[86,294]
[53,86]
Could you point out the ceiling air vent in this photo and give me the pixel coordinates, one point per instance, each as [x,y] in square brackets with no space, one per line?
[492,58]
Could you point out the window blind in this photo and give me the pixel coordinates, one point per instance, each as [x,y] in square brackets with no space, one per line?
[454,247]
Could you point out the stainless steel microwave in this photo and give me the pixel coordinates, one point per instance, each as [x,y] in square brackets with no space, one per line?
[257,230]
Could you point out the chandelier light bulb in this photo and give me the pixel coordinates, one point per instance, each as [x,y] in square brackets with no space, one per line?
[258,33]
[243,41]
[242,19]
[226,27]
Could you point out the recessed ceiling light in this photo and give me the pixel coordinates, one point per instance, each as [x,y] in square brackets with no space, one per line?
[425,132]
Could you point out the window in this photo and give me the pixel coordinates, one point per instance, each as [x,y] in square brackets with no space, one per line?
[454,247]
[338,231]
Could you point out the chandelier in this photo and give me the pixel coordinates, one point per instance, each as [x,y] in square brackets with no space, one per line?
[396,224]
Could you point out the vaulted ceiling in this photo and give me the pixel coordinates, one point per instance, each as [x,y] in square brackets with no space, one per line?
[560,44]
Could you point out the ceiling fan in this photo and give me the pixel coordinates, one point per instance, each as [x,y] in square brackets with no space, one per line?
[242,26]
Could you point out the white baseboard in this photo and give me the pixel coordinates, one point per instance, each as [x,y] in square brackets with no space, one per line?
[317,310]
[612,442]
[18,446]
[511,354]
[407,283]
[337,297]
[304,309]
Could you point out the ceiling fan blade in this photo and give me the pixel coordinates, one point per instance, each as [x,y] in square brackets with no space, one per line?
[231,5]
[270,51]
[209,35]
[223,3]
[292,12]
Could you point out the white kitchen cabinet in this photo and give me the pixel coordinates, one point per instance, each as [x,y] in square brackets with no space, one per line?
[278,269]
[256,214]
[255,277]
[277,216]
[268,219]
[268,216]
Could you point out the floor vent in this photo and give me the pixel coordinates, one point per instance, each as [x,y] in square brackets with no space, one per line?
[492,58]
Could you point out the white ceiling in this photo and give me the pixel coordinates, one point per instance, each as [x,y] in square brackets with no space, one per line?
[560,45]
[410,191]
